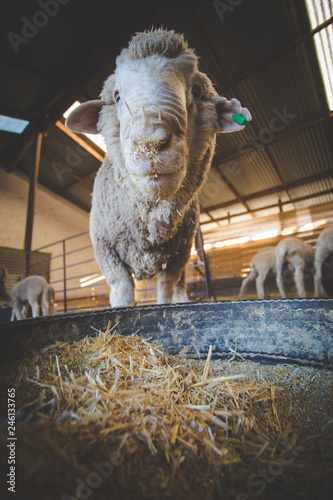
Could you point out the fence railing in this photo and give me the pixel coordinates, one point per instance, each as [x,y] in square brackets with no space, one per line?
[79,284]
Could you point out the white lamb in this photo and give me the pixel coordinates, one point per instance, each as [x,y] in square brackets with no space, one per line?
[299,257]
[159,117]
[324,249]
[262,263]
[32,291]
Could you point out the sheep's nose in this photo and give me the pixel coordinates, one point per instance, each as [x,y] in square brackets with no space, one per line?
[154,140]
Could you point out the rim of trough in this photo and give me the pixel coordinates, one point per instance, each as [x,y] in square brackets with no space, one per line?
[297,331]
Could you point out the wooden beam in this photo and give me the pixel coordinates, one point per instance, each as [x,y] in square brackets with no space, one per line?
[274,205]
[60,101]
[232,188]
[79,141]
[68,171]
[272,190]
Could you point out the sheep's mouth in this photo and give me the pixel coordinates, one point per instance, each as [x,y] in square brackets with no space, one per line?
[157,185]
[158,169]
[160,166]
[159,175]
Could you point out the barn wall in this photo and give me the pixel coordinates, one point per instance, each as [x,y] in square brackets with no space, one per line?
[55,218]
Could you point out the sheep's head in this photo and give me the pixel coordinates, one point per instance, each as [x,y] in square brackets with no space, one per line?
[160,113]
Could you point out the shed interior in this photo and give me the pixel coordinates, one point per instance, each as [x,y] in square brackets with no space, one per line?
[272,179]
[101,412]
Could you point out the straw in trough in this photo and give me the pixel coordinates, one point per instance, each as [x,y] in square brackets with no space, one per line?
[115,417]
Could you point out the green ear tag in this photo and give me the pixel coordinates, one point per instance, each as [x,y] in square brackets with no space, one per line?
[239,119]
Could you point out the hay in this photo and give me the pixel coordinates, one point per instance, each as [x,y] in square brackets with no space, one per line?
[169,427]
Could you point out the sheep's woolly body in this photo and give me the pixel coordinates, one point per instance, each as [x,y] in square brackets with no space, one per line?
[299,255]
[262,263]
[324,249]
[29,291]
[144,235]
[159,117]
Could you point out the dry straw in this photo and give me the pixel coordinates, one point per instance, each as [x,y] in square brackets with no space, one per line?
[181,433]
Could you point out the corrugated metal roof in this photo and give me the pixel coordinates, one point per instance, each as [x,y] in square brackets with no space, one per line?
[311,189]
[251,173]
[303,154]
[223,212]
[215,191]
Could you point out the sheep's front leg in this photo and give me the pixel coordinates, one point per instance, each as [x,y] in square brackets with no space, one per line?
[298,263]
[319,291]
[166,284]
[24,310]
[117,274]
[279,277]
[260,284]
[16,311]
[246,283]
[34,307]
[121,292]
[180,294]
[299,280]
[165,288]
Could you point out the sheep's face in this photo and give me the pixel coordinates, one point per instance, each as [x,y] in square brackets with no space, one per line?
[155,110]
[161,114]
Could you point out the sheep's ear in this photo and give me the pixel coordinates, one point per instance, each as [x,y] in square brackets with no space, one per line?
[226,111]
[84,118]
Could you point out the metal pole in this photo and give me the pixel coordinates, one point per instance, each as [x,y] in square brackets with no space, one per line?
[209,289]
[31,205]
[64,273]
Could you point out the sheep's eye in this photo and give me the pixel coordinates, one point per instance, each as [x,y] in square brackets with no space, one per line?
[116,96]
[196,91]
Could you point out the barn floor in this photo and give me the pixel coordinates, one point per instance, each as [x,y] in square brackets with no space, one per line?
[110,416]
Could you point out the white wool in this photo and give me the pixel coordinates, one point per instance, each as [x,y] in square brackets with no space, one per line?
[159,117]
[262,263]
[299,257]
[324,249]
[33,291]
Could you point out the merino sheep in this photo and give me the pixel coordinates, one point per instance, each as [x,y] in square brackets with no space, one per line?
[324,249]
[30,291]
[262,263]
[299,257]
[47,306]
[159,117]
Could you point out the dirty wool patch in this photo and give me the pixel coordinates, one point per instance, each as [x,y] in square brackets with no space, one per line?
[114,417]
